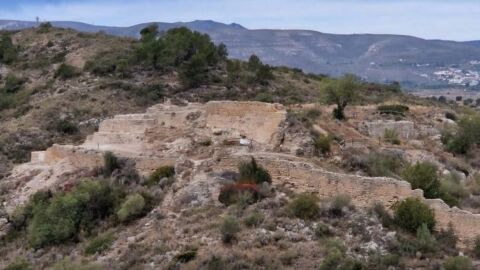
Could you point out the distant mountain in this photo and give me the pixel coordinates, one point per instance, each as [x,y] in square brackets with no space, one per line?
[414,62]
[474,43]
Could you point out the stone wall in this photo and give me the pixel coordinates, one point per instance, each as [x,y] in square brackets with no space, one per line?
[255,120]
[302,176]
[404,129]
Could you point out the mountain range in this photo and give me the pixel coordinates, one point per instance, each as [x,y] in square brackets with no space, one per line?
[412,61]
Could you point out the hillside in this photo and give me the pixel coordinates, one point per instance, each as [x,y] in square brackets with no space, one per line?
[163,153]
[414,62]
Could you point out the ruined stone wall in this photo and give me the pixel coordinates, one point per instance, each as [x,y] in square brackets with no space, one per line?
[303,177]
[364,191]
[404,129]
[256,120]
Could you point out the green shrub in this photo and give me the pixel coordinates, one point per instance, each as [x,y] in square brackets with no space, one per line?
[111,163]
[186,256]
[451,190]
[254,219]
[252,172]
[305,206]
[423,176]
[476,247]
[239,193]
[322,144]
[64,215]
[68,264]
[425,241]
[447,240]
[18,264]
[44,27]
[99,244]
[411,213]
[288,257]
[13,84]
[65,72]
[391,136]
[458,263]
[8,52]
[396,109]
[66,127]
[229,229]
[338,203]
[467,135]
[383,215]
[322,230]
[159,174]
[451,116]
[383,165]
[131,208]
[337,259]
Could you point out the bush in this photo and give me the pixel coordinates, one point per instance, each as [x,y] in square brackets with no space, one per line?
[458,263]
[186,256]
[8,52]
[99,244]
[229,229]
[338,203]
[383,165]
[18,264]
[396,109]
[159,174]
[337,259]
[476,247]
[425,241]
[44,27]
[411,213]
[451,116]
[131,208]
[383,215]
[235,193]
[65,72]
[322,230]
[391,136]
[451,190]
[423,176]
[64,215]
[66,127]
[305,206]
[252,172]
[13,84]
[467,135]
[322,144]
[111,163]
[254,219]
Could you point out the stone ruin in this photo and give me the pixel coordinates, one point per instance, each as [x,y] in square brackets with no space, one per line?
[173,135]
[404,129]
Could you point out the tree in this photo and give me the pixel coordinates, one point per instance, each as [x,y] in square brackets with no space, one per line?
[194,72]
[423,176]
[254,62]
[8,52]
[412,213]
[340,92]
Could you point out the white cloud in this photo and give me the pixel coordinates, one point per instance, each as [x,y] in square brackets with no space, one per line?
[425,18]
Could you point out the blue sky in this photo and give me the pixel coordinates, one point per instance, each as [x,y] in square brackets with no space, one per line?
[434,19]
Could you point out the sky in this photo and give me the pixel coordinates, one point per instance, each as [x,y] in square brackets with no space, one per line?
[432,19]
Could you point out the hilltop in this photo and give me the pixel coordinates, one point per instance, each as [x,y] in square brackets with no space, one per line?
[163,153]
[414,62]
